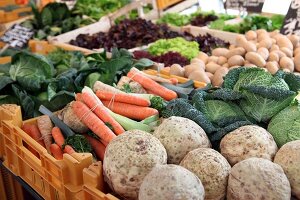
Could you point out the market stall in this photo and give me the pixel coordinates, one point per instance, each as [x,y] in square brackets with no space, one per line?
[150,100]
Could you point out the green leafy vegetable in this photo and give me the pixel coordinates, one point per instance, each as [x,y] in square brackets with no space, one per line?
[30,70]
[185,48]
[285,126]
[79,143]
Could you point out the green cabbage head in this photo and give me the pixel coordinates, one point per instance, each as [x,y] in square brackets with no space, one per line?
[285,126]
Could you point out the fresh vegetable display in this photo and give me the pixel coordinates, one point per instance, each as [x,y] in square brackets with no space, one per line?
[53,79]
[159,136]
[54,19]
[251,22]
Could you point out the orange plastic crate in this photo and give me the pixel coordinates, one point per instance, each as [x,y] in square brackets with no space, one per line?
[52,179]
[162,4]
[10,189]
[6,17]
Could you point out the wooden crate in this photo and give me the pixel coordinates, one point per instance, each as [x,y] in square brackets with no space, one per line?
[104,24]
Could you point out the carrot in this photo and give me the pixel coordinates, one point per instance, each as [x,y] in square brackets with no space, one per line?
[102,113]
[56,151]
[92,121]
[130,111]
[97,146]
[174,81]
[58,136]
[69,150]
[45,126]
[34,132]
[123,98]
[27,128]
[149,84]
[78,97]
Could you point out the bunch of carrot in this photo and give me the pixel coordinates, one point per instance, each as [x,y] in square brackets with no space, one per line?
[56,148]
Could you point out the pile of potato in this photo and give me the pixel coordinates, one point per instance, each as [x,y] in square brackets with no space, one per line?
[269,50]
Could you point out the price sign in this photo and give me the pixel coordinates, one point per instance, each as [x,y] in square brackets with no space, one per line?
[291,23]
[254,5]
[249,5]
[234,4]
[17,36]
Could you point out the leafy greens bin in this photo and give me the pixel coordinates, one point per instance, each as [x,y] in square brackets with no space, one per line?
[31,80]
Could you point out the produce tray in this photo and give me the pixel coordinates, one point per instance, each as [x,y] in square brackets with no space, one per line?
[104,24]
[183,5]
[51,178]
[226,36]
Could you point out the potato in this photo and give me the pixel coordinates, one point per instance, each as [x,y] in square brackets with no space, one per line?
[249,65]
[236,60]
[222,60]
[198,62]
[297,51]
[261,31]
[251,35]
[290,164]
[170,182]
[188,69]
[279,53]
[234,67]
[237,51]
[232,46]
[219,52]
[129,158]
[203,56]
[297,62]
[250,47]
[287,51]
[212,59]
[267,43]
[242,42]
[179,136]
[257,178]
[274,47]
[212,67]
[273,57]
[177,70]
[218,77]
[272,67]
[262,37]
[294,40]
[199,75]
[287,63]
[284,42]
[209,75]
[273,33]
[263,52]
[225,65]
[246,142]
[255,59]
[70,118]
[211,168]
